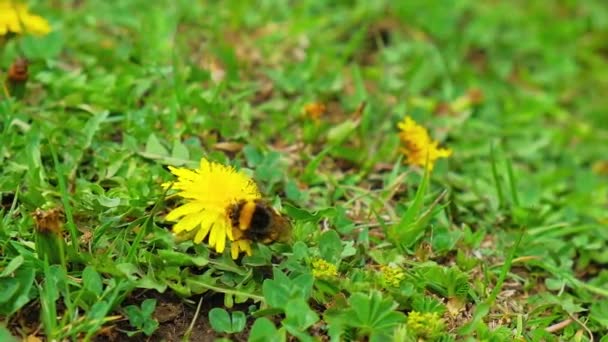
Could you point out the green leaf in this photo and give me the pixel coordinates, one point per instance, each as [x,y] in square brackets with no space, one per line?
[330,246]
[481,311]
[12,266]
[554,284]
[6,335]
[299,315]
[201,283]
[373,313]
[99,310]
[43,47]
[299,250]
[310,171]
[142,318]
[448,282]
[423,303]
[275,293]
[19,287]
[150,324]
[253,155]
[156,151]
[154,147]
[599,313]
[281,289]
[180,151]
[220,320]
[49,293]
[411,226]
[129,270]
[303,215]
[342,131]
[302,286]
[292,191]
[108,202]
[175,258]
[8,288]
[239,320]
[148,306]
[92,280]
[263,330]
[149,281]
[93,125]
[270,170]
[497,178]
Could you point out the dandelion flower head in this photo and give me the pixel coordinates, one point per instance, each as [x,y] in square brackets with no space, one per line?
[418,146]
[209,192]
[16,18]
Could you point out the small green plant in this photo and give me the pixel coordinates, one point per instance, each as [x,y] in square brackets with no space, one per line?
[224,322]
[290,297]
[448,282]
[141,318]
[369,315]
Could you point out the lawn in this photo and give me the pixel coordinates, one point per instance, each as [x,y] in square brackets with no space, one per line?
[431,170]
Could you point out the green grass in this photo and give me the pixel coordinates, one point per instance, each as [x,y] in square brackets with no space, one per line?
[505,240]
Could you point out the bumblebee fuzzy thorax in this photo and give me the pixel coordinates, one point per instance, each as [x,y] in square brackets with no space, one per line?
[258,221]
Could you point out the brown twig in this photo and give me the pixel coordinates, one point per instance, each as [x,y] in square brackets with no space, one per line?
[559,326]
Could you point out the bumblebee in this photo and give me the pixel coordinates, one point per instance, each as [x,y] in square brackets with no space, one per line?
[259,221]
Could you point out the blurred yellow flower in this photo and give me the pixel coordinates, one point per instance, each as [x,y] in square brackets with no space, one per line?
[210,191]
[314,110]
[600,167]
[427,325]
[392,275]
[418,147]
[16,18]
[323,269]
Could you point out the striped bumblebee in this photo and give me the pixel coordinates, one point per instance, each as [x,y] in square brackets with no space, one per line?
[259,221]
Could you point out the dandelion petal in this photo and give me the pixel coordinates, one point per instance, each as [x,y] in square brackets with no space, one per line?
[186,209]
[187,223]
[245,245]
[234,250]
[202,232]
[220,242]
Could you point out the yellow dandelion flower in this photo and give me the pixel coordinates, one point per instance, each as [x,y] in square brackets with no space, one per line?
[418,147]
[314,110]
[323,269]
[210,191]
[16,18]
